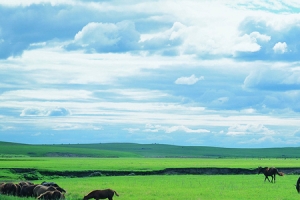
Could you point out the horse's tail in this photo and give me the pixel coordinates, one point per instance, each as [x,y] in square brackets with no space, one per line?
[116,193]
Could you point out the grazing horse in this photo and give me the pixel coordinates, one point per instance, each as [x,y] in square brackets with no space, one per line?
[269,172]
[298,185]
[101,194]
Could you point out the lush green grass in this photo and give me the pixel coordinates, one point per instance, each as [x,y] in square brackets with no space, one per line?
[190,187]
[138,157]
[140,150]
[139,164]
[124,164]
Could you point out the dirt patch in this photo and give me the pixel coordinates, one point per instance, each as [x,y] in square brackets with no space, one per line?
[40,174]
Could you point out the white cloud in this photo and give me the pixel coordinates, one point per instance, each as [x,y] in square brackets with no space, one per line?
[249,42]
[246,129]
[29,2]
[55,112]
[171,129]
[106,37]
[76,126]
[124,64]
[46,94]
[171,38]
[137,94]
[280,47]
[188,80]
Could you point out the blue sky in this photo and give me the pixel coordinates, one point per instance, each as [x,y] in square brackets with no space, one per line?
[201,73]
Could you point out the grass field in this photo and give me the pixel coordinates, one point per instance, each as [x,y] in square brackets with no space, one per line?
[190,187]
[134,157]
[139,164]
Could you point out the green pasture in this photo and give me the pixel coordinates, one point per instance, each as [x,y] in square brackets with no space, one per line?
[190,187]
[193,187]
[139,164]
[136,157]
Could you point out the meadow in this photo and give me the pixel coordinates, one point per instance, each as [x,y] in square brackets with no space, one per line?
[154,187]
[139,164]
[150,187]
[192,187]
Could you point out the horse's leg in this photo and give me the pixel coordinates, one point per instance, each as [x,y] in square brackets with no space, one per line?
[274,178]
[267,178]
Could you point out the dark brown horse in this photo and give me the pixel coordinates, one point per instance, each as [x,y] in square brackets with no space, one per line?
[298,185]
[101,194]
[269,172]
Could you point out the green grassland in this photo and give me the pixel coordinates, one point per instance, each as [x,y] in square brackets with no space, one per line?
[190,187]
[139,164]
[111,150]
[138,157]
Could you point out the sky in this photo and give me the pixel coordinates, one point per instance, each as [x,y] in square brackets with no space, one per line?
[222,73]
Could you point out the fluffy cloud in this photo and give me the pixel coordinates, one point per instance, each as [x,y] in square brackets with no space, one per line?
[249,42]
[274,29]
[246,129]
[280,47]
[116,65]
[165,42]
[106,37]
[189,80]
[99,29]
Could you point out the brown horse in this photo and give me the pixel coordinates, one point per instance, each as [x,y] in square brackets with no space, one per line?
[298,185]
[269,172]
[101,194]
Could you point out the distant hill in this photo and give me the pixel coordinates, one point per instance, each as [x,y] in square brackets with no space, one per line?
[141,150]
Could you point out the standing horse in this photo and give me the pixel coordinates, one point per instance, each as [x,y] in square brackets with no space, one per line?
[269,172]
